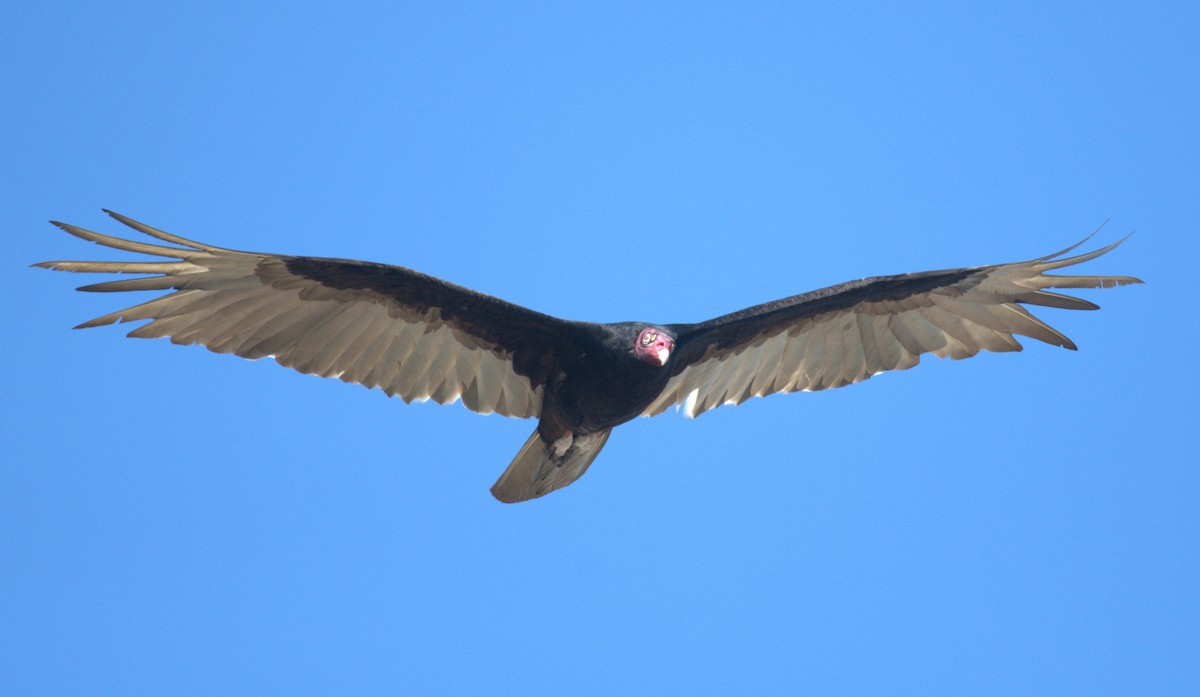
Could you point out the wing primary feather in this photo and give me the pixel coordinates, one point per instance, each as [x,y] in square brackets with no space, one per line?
[164,267]
[1028,325]
[160,234]
[1045,298]
[141,311]
[1053,262]
[1054,281]
[124,244]
[1074,246]
[235,307]
[149,283]
[959,340]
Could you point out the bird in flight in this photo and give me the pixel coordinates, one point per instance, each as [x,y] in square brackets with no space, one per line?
[419,337]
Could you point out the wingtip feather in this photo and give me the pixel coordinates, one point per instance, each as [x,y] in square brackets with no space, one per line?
[156,233]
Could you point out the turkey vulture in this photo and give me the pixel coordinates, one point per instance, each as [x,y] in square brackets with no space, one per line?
[422,338]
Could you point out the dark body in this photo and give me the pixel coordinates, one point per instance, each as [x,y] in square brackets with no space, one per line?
[423,338]
[602,383]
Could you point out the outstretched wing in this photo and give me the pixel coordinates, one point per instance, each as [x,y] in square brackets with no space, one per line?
[849,332]
[382,326]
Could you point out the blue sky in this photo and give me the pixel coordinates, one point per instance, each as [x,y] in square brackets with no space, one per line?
[179,522]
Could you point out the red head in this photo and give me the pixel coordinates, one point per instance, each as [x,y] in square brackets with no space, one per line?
[654,346]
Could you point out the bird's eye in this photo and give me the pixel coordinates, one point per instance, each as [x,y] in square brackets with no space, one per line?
[648,338]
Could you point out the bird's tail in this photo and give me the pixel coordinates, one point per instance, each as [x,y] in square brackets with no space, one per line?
[539,468]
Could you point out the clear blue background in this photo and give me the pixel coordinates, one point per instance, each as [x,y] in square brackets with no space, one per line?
[178,522]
